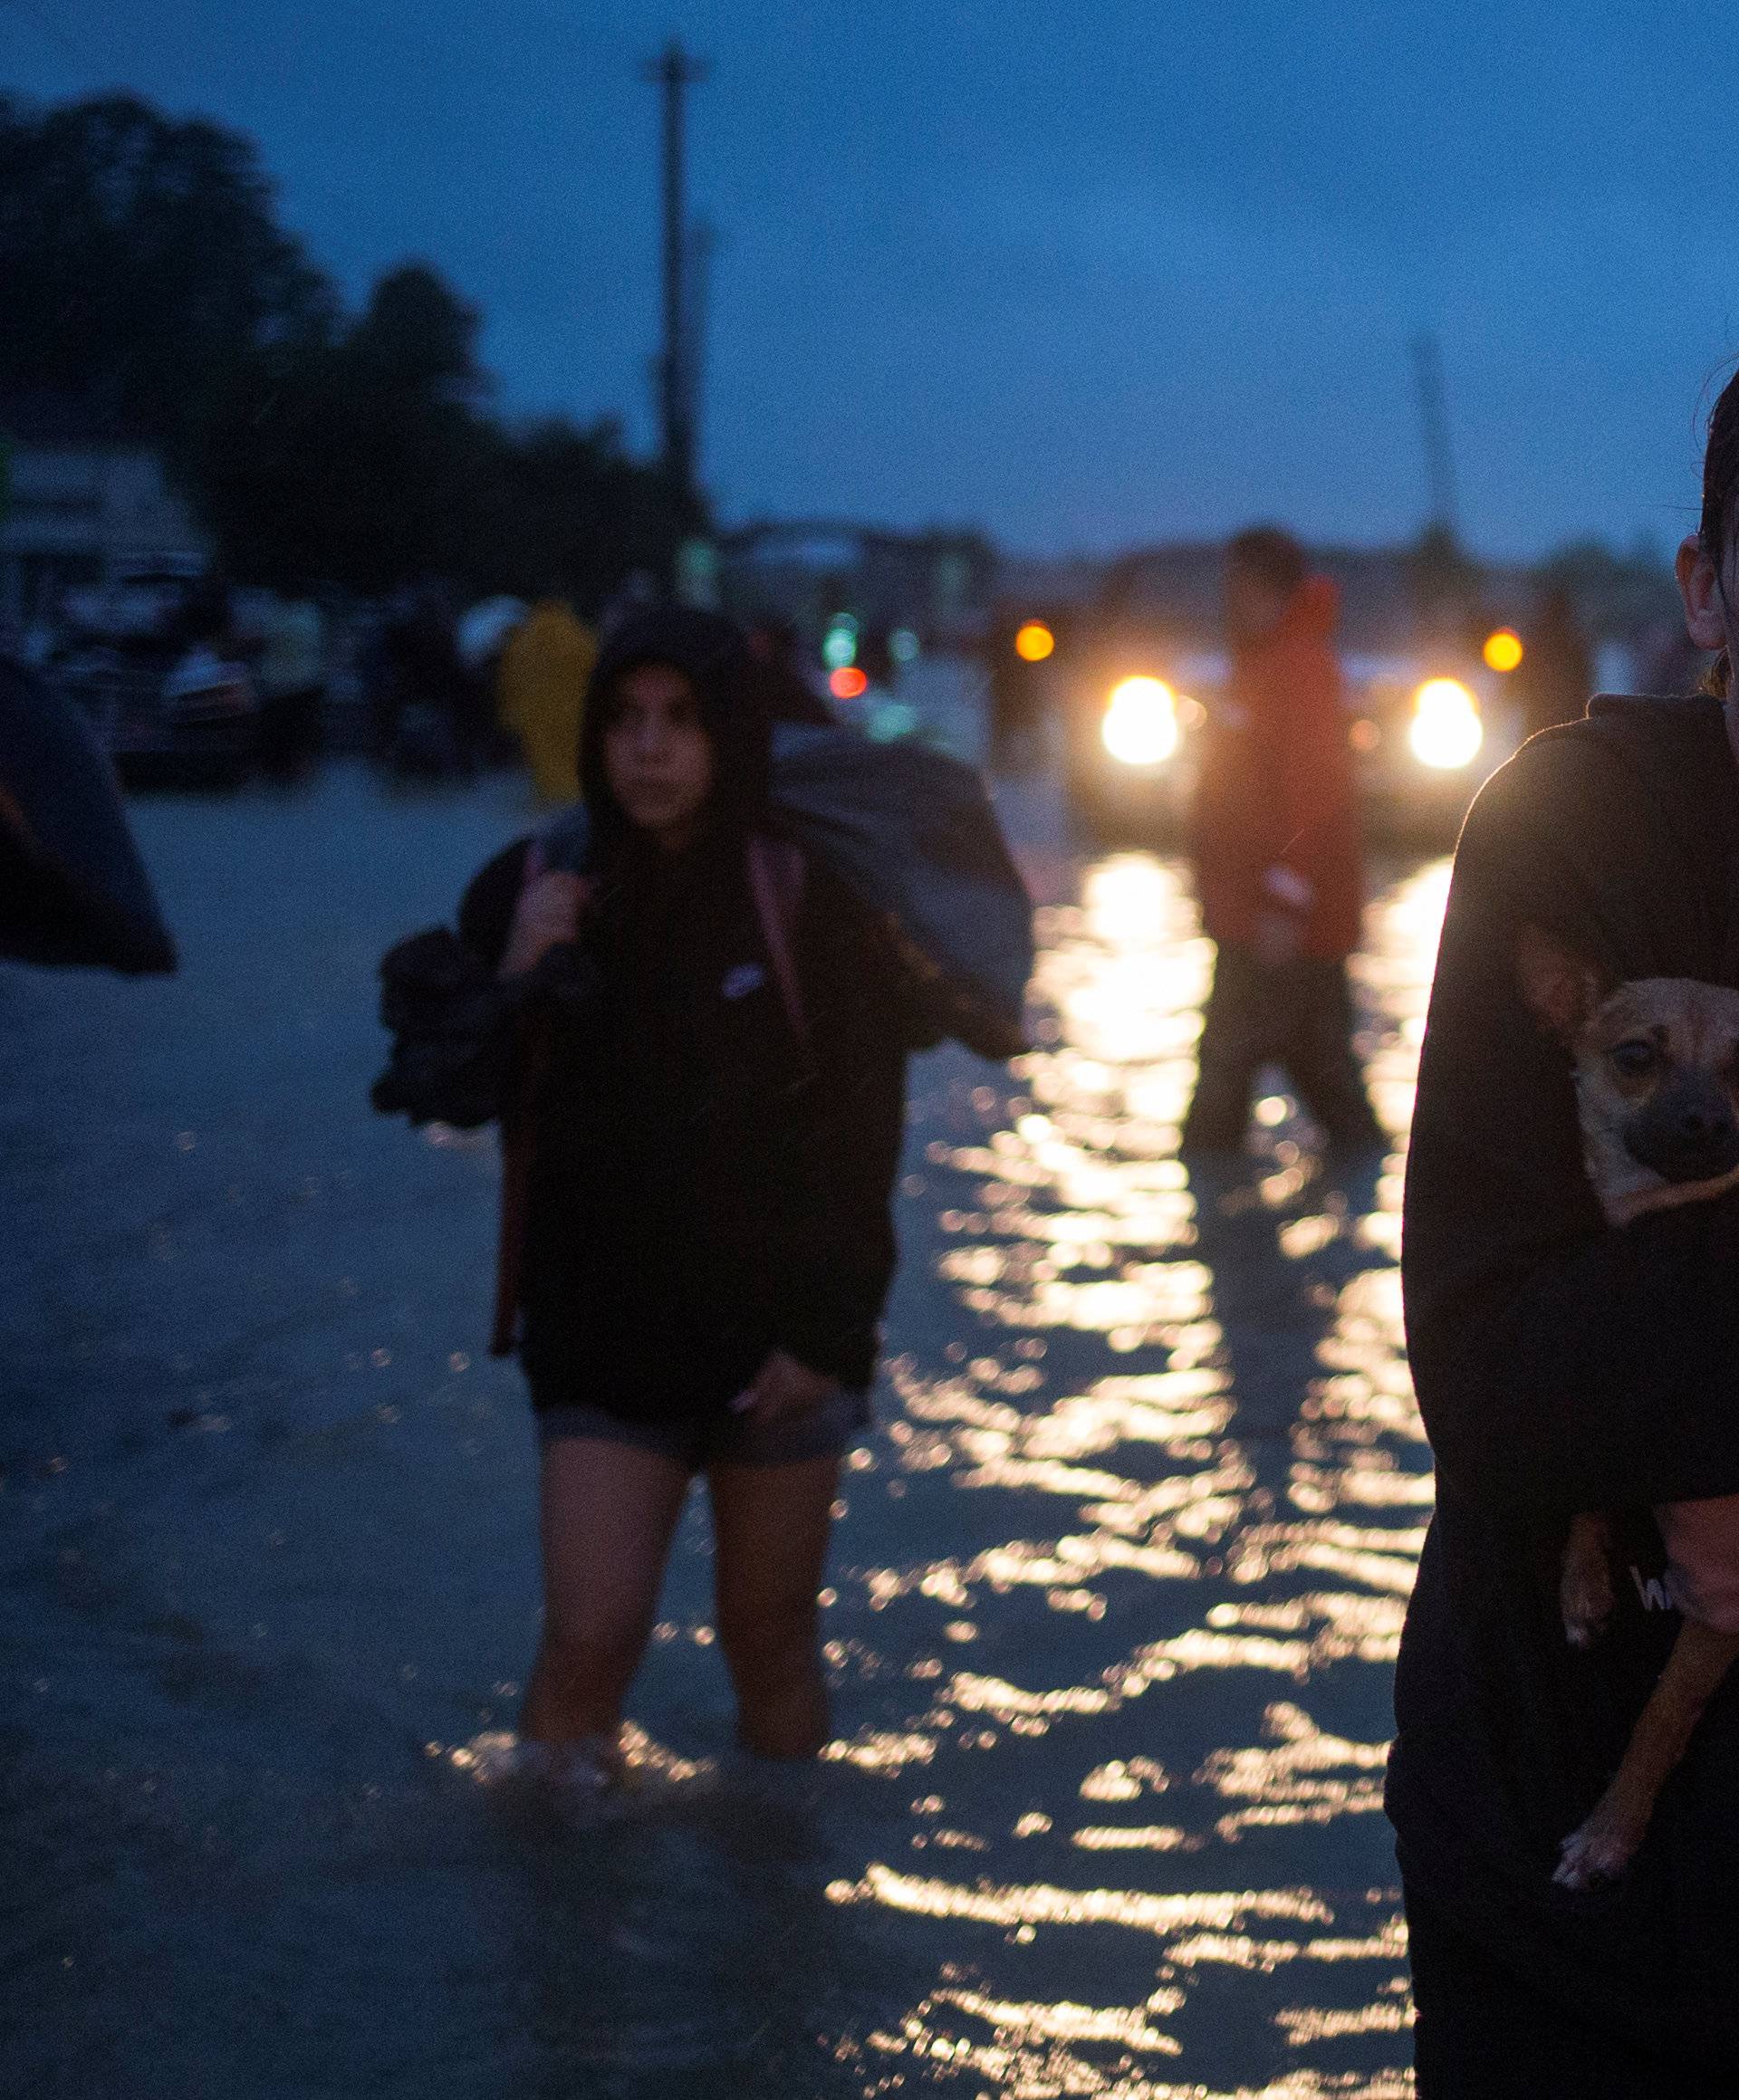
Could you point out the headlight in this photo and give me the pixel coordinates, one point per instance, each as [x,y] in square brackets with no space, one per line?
[1447,731]
[1140,725]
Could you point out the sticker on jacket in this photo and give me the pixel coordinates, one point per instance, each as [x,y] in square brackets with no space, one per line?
[745,978]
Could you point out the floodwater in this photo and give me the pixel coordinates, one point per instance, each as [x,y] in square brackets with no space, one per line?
[1116,1593]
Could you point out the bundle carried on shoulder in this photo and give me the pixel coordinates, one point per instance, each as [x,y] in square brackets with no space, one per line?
[910,832]
[905,829]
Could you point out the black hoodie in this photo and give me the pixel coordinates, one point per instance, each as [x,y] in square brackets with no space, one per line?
[1564,1366]
[706,1186]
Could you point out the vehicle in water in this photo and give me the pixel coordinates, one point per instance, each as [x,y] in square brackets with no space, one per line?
[1427,722]
[172,708]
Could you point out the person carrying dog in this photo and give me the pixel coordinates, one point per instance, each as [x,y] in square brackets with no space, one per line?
[1566,1365]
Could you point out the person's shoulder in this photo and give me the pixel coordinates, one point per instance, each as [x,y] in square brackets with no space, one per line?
[1621,758]
[1643,733]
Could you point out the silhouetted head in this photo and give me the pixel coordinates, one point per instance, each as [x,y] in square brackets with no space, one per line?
[1708,575]
[1264,567]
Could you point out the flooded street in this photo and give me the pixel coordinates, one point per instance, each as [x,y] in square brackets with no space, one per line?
[1116,1587]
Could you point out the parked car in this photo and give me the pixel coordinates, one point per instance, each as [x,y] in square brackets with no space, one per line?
[1426,732]
[192,721]
[165,688]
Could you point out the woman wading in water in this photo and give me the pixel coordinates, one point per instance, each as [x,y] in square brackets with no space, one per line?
[1566,1366]
[705,1118]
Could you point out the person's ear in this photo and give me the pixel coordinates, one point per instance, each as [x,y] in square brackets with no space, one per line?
[1560,988]
[1699,586]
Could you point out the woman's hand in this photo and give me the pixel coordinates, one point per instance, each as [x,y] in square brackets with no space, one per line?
[547,915]
[784,1387]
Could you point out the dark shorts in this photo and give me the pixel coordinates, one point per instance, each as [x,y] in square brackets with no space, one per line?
[827,1430]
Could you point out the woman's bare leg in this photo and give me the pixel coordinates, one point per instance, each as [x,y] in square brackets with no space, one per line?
[771,1523]
[609,1511]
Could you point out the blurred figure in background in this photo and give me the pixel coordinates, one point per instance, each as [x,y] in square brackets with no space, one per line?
[1277,856]
[1019,687]
[425,702]
[1555,676]
[291,675]
[539,694]
[778,643]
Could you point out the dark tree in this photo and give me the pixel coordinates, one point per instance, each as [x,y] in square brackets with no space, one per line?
[141,258]
[567,509]
[143,271]
[404,443]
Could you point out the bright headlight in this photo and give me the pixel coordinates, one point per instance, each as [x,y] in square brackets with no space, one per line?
[1140,725]
[1447,731]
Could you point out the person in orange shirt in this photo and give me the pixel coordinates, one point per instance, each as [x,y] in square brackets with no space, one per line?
[1277,857]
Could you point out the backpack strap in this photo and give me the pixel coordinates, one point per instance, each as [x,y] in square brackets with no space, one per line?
[777,879]
[518,1149]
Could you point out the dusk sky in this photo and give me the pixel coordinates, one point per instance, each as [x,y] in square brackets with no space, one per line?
[1086,274]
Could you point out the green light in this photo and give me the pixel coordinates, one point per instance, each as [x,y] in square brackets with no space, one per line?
[839,649]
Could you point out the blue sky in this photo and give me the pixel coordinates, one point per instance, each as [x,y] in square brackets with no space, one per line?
[1087,274]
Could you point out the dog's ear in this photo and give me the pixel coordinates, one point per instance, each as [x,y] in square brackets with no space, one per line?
[1560,988]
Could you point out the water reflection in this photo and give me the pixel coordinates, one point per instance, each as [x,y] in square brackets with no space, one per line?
[1193,1393]
[1114,1602]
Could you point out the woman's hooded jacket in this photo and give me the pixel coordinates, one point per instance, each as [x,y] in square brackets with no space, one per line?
[709,1176]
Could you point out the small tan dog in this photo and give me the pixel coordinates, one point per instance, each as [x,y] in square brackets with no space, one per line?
[1657,1095]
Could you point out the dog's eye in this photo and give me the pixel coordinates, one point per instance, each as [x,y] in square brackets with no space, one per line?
[1636,1058]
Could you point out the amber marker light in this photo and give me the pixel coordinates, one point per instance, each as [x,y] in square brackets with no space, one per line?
[1503,650]
[1034,642]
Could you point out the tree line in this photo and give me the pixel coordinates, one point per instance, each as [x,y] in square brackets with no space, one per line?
[144,271]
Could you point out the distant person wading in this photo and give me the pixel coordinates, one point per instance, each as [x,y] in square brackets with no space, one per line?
[1275,844]
[702,1106]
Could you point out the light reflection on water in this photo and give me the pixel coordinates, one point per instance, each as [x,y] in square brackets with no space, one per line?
[1114,1602]
[1198,1393]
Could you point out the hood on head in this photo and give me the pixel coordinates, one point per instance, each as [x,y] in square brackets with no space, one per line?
[713,653]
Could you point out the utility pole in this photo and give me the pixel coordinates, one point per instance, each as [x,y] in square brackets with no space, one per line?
[674,72]
[702,245]
[1439,460]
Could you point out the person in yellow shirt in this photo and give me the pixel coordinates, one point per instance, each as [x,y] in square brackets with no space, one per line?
[539,694]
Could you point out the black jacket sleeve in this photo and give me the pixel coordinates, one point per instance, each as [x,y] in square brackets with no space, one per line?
[452,1021]
[1561,1365]
[839,1248]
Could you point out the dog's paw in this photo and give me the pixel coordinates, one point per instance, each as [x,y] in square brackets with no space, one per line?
[1586,1599]
[1599,1851]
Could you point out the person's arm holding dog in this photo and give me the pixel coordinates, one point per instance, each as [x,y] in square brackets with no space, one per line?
[1568,1365]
